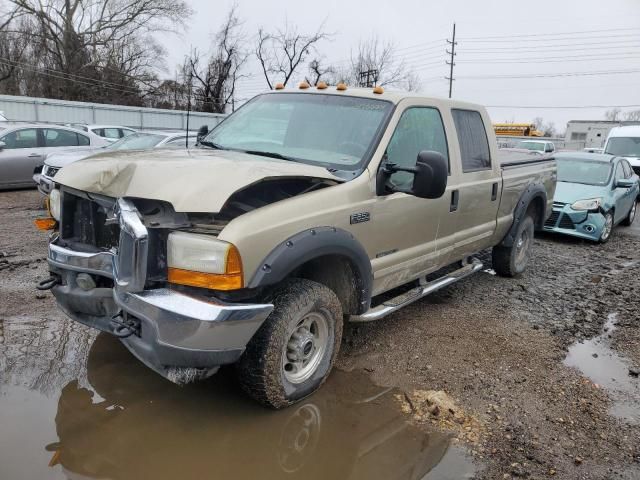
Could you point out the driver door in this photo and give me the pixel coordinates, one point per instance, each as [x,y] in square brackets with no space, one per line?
[405,228]
[19,157]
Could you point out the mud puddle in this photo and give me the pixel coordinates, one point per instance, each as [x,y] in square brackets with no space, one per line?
[121,421]
[601,364]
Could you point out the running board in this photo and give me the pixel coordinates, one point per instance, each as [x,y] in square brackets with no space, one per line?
[389,306]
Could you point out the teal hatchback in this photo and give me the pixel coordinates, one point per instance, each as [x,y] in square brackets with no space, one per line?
[594,194]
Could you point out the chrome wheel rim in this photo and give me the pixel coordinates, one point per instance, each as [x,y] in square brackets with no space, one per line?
[608,225]
[299,438]
[522,247]
[305,348]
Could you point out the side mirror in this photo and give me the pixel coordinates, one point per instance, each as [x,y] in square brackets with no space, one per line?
[203,131]
[2,146]
[625,183]
[429,176]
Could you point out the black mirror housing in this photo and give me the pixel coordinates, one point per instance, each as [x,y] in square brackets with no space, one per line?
[430,176]
[625,183]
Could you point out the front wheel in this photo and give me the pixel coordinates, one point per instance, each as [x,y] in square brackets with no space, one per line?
[511,261]
[293,351]
[607,228]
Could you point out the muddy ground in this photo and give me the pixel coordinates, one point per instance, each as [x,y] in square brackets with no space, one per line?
[496,346]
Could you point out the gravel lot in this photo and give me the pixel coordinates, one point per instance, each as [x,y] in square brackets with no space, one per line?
[496,346]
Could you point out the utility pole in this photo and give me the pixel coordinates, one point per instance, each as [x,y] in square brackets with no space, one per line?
[451,63]
[368,78]
[186,138]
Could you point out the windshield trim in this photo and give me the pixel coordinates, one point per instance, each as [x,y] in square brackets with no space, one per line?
[354,170]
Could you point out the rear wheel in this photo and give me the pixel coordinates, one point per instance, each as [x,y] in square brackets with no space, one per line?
[631,216]
[607,228]
[511,261]
[292,353]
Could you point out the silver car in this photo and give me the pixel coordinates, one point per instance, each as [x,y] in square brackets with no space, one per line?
[23,148]
[135,141]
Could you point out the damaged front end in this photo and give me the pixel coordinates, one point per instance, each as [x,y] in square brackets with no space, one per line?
[109,262]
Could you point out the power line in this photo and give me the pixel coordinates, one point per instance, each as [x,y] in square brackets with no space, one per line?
[563,106]
[547,60]
[551,34]
[550,75]
[564,46]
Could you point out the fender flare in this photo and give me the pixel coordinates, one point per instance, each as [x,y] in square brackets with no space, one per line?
[533,191]
[311,244]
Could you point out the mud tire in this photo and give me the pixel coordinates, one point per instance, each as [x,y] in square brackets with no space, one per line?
[260,370]
[506,261]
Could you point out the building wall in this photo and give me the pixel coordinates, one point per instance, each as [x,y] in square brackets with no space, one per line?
[30,109]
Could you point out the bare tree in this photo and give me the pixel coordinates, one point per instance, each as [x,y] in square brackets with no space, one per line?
[632,116]
[319,72]
[378,59]
[215,78]
[86,48]
[547,129]
[613,115]
[281,53]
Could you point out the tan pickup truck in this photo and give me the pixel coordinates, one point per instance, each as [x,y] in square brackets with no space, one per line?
[294,215]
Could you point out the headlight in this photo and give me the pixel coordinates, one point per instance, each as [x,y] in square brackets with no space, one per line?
[590,204]
[203,261]
[54,204]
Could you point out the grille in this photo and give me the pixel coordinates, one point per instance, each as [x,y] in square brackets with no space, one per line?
[84,223]
[566,222]
[553,219]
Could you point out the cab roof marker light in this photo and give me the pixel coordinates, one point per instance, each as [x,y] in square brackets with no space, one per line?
[378,90]
[341,86]
[279,86]
[321,85]
[303,85]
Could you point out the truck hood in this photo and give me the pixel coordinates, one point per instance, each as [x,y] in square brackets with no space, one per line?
[571,192]
[195,180]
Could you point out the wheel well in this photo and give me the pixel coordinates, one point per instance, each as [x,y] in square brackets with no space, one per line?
[537,210]
[337,273]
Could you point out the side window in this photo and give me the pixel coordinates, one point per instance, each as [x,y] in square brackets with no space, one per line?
[125,132]
[628,173]
[619,171]
[60,138]
[27,138]
[175,143]
[111,133]
[82,140]
[472,137]
[419,128]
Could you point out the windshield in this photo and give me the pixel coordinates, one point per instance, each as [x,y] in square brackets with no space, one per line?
[582,171]
[534,146]
[329,130]
[624,146]
[137,141]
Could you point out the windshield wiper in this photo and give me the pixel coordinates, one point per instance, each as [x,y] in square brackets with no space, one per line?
[279,156]
[209,144]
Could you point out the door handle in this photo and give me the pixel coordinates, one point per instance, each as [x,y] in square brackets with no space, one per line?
[494,191]
[455,195]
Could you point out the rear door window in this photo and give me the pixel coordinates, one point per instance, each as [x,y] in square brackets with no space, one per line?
[620,174]
[628,173]
[25,138]
[60,138]
[83,140]
[472,137]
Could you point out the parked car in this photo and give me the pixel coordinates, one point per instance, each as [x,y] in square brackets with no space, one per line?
[625,142]
[111,133]
[136,141]
[595,193]
[23,148]
[301,209]
[541,146]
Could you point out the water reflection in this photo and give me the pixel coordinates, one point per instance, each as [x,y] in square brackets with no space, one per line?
[137,425]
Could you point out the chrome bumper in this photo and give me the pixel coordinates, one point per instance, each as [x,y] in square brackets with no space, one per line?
[177,332]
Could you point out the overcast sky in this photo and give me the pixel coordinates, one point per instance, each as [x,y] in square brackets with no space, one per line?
[495,38]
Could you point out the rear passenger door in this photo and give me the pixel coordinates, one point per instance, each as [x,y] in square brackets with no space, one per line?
[623,196]
[475,196]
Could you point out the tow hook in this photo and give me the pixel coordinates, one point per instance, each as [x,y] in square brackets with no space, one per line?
[123,326]
[48,283]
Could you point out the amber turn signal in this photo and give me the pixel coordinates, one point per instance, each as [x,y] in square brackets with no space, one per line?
[45,223]
[231,279]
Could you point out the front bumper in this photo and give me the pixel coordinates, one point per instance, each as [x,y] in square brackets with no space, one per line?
[182,337]
[581,224]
